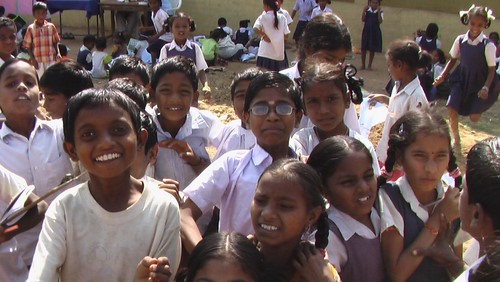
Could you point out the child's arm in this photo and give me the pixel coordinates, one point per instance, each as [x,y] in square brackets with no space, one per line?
[28,45]
[363,14]
[190,234]
[449,66]
[186,153]
[483,93]
[312,266]
[380,14]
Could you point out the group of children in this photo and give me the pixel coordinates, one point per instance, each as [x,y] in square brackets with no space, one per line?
[292,170]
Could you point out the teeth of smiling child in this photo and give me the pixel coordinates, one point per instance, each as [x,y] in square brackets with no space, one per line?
[107,157]
[268,227]
[175,109]
[363,199]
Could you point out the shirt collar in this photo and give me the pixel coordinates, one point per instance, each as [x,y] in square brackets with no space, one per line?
[83,48]
[409,88]
[173,45]
[259,155]
[371,10]
[5,131]
[409,196]
[194,120]
[348,226]
[478,39]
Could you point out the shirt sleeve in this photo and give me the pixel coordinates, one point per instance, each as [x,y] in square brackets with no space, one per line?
[55,36]
[88,59]
[337,253]
[296,7]
[455,48]
[28,38]
[490,54]
[389,215]
[201,64]
[10,185]
[163,53]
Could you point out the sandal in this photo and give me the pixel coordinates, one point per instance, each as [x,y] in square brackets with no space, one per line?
[71,36]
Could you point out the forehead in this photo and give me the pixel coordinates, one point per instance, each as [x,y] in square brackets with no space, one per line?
[270,94]
[18,68]
[322,89]
[8,29]
[432,142]
[174,78]
[278,186]
[90,115]
[477,19]
[180,20]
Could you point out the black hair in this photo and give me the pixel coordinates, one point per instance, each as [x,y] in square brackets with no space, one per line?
[324,32]
[483,177]
[271,79]
[313,190]
[248,74]
[180,15]
[217,34]
[175,64]
[67,78]
[2,11]
[12,61]
[89,39]
[405,130]
[63,49]
[224,246]
[328,1]
[441,56]
[8,23]
[222,21]
[244,23]
[125,65]
[316,72]
[93,98]
[272,4]
[489,268]
[479,11]
[134,91]
[431,32]
[39,6]
[100,43]
[407,52]
[329,153]
[494,33]
[148,124]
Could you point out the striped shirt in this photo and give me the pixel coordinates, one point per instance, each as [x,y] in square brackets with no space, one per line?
[41,40]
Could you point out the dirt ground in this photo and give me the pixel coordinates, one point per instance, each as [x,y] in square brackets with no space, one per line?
[374,82]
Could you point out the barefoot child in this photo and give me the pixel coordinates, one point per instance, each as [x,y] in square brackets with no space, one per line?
[371,39]
[8,42]
[345,166]
[102,130]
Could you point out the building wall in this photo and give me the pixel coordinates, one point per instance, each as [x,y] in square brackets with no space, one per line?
[399,22]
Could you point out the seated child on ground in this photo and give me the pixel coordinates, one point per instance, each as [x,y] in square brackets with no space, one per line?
[119,45]
[84,57]
[100,59]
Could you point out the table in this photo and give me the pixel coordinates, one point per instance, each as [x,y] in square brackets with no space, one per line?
[113,6]
[91,6]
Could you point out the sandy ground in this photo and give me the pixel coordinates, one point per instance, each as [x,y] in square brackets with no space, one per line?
[375,81]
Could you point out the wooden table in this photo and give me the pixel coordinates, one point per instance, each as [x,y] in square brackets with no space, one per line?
[113,6]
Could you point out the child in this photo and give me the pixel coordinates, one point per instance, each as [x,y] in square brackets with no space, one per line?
[184,132]
[236,135]
[132,68]
[209,46]
[438,63]
[8,45]
[181,25]
[222,24]
[411,207]
[227,50]
[327,39]
[474,84]
[321,8]
[345,167]
[403,57]
[102,130]
[129,87]
[305,8]
[285,13]
[63,50]
[13,267]
[84,57]
[161,36]
[326,97]
[242,36]
[29,147]
[60,82]
[371,39]
[288,201]
[272,28]
[429,41]
[100,59]
[41,40]
[119,46]
[272,109]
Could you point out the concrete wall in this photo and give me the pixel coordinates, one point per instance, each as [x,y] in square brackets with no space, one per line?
[398,22]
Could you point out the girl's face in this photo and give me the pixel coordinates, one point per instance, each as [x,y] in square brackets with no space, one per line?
[352,187]
[273,128]
[322,3]
[222,270]
[279,211]
[374,4]
[105,141]
[239,97]
[181,29]
[476,25]
[19,92]
[325,106]
[435,57]
[154,5]
[395,69]
[174,95]
[425,160]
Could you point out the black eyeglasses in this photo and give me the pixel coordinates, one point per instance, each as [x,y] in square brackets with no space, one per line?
[280,109]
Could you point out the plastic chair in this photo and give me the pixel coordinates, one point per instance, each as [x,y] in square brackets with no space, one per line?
[174,6]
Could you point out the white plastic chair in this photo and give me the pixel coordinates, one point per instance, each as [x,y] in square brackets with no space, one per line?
[174,6]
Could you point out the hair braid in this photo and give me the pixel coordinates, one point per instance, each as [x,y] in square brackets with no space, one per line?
[452,165]
[321,235]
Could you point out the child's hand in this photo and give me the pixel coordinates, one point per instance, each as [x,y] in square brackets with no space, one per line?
[265,37]
[449,205]
[440,79]
[207,91]
[483,93]
[182,148]
[311,265]
[381,98]
[153,269]
[172,187]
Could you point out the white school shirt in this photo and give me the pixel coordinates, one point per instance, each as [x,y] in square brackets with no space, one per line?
[489,50]
[274,50]
[285,13]
[348,226]
[409,98]
[158,20]
[234,137]
[305,8]
[88,58]
[418,39]
[98,70]
[390,216]
[350,116]
[229,183]
[306,139]
[317,11]
[200,60]
[200,130]
[12,267]
[41,161]
[464,277]
[81,241]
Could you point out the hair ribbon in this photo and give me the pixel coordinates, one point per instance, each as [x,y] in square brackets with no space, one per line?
[463,13]
[455,173]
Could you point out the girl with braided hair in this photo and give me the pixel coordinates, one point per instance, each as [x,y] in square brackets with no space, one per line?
[345,166]
[412,208]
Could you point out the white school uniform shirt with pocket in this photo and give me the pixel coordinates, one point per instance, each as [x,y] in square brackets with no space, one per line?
[274,50]
[234,137]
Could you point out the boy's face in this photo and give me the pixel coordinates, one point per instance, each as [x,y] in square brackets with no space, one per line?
[90,45]
[239,97]
[54,102]
[154,5]
[322,3]
[174,95]
[40,15]
[19,90]
[105,141]
[7,41]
